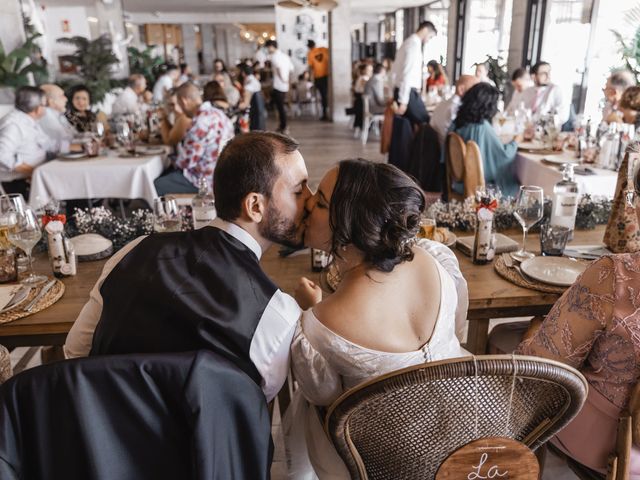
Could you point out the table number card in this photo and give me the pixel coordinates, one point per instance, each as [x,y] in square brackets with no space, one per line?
[490,458]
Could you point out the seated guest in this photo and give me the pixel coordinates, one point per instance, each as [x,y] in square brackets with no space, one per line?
[230,91]
[53,122]
[199,150]
[131,101]
[174,123]
[545,97]
[375,89]
[185,74]
[364,74]
[204,289]
[304,87]
[376,321]
[79,113]
[617,83]
[437,78]
[482,74]
[165,82]
[214,94]
[520,81]
[446,111]
[594,328]
[250,85]
[23,143]
[630,106]
[473,122]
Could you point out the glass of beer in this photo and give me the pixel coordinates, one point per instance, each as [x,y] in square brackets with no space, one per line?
[427,228]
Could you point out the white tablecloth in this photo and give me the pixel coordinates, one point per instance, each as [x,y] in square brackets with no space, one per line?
[106,176]
[531,171]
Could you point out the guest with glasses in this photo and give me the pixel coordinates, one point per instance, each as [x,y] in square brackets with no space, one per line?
[617,83]
[545,97]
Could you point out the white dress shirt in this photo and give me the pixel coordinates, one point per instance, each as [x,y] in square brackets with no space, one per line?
[269,349]
[443,115]
[541,100]
[516,99]
[407,68]
[161,86]
[282,67]
[22,141]
[128,102]
[252,84]
[56,125]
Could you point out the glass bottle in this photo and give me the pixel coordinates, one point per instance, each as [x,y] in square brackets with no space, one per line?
[565,200]
[203,205]
[484,241]
[319,260]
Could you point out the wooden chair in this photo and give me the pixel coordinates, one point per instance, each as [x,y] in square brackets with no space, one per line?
[6,371]
[464,164]
[406,423]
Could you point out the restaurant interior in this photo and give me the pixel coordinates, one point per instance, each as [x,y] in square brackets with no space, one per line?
[319,239]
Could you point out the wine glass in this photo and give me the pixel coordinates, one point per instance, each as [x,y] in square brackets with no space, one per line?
[98,130]
[529,211]
[12,202]
[166,215]
[25,233]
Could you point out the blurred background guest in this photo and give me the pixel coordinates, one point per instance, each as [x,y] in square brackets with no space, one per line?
[520,81]
[482,74]
[446,111]
[473,122]
[282,67]
[545,97]
[375,89]
[630,106]
[79,112]
[53,122]
[131,100]
[616,85]
[304,87]
[318,61]
[437,78]
[174,123]
[214,94]
[185,74]
[165,82]
[364,74]
[231,93]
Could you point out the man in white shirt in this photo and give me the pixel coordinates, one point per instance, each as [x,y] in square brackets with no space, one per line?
[130,99]
[446,111]
[407,75]
[23,144]
[282,68]
[545,97]
[53,122]
[165,83]
[205,288]
[520,81]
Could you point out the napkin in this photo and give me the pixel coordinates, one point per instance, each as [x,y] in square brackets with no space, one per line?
[6,294]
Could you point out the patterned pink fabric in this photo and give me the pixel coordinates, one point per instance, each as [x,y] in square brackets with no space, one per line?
[199,150]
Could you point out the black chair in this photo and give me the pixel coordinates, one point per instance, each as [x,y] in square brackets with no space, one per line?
[257,112]
[191,415]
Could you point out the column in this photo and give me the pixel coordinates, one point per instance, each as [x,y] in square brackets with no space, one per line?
[111,21]
[189,46]
[340,57]
[208,52]
[517,43]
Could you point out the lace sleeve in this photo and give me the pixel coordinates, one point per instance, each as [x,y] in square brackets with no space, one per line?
[577,319]
[448,260]
[319,382]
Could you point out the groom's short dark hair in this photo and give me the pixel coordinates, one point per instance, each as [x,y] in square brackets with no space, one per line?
[246,165]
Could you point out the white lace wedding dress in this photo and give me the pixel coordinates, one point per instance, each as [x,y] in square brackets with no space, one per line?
[325,365]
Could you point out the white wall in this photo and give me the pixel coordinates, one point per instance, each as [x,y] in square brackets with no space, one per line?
[53,25]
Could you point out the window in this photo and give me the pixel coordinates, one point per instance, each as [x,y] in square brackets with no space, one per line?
[438,14]
[488,25]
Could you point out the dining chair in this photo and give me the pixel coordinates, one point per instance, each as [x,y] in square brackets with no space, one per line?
[406,423]
[627,437]
[369,119]
[473,171]
[5,364]
[180,415]
[456,152]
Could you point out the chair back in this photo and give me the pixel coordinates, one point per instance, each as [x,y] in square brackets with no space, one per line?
[627,436]
[179,415]
[473,171]
[406,423]
[456,152]
[366,109]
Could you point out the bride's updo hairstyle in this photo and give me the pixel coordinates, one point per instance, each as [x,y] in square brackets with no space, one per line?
[376,207]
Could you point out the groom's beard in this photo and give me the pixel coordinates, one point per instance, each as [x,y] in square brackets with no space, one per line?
[279,229]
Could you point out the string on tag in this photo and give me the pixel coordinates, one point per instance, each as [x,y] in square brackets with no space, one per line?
[476,380]
[513,387]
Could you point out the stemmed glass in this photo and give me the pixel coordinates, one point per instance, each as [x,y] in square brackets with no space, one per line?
[123,133]
[166,215]
[25,233]
[529,211]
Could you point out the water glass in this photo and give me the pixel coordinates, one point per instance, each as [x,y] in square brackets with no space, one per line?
[166,215]
[553,239]
[529,210]
[25,233]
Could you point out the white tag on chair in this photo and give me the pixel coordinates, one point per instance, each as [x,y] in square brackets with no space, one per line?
[490,458]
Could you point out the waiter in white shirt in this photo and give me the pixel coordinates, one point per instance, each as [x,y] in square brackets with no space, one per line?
[407,75]
[23,144]
[282,67]
[53,122]
[545,97]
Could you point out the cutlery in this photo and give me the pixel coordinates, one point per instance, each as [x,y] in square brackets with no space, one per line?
[18,297]
[41,294]
[510,263]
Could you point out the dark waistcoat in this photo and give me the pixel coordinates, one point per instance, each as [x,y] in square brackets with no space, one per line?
[184,291]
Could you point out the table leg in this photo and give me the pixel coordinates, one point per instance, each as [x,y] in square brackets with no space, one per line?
[478,336]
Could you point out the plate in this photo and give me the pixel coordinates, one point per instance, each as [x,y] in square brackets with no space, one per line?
[537,148]
[72,156]
[150,150]
[559,271]
[451,239]
[561,160]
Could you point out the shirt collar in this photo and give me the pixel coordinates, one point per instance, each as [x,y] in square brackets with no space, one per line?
[239,234]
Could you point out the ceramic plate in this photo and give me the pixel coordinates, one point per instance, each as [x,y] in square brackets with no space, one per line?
[72,156]
[150,150]
[559,271]
[561,160]
[451,239]
[531,146]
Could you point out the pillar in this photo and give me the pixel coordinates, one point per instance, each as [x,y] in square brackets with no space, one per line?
[340,58]
[517,41]
[208,52]
[189,46]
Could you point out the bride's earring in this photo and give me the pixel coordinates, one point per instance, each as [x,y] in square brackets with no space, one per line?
[343,248]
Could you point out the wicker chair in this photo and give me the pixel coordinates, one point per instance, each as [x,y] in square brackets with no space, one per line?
[403,425]
[5,365]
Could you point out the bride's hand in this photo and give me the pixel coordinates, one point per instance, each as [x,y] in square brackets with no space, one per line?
[307,293]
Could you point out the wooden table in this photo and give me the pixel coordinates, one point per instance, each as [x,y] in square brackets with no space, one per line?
[490,296]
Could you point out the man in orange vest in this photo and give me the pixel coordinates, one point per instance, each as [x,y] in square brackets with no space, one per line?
[318,60]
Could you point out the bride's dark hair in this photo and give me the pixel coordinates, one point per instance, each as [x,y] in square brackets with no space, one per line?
[376,207]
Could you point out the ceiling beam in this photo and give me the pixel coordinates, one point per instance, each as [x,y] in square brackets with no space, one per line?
[255,15]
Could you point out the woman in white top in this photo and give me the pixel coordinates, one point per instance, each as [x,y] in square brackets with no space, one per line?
[397,305]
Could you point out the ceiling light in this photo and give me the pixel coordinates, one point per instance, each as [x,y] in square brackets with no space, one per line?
[128,25]
[92,19]
[272,37]
[265,34]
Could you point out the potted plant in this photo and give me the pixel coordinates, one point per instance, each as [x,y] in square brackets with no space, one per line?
[630,48]
[144,62]
[497,71]
[17,68]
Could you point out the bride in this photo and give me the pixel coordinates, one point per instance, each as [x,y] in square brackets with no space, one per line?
[397,305]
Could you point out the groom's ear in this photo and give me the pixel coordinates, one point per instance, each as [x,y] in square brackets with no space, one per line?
[254,207]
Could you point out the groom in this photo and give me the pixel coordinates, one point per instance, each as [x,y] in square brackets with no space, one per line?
[205,289]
